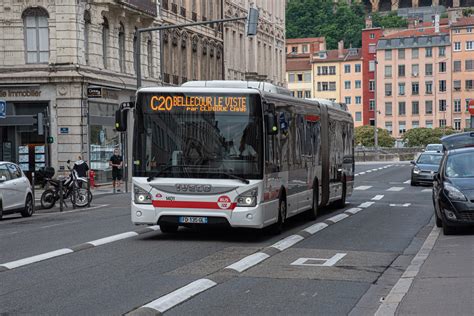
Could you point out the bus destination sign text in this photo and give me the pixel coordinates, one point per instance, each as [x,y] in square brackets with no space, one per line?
[200,103]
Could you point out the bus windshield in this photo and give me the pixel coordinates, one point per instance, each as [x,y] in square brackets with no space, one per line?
[190,135]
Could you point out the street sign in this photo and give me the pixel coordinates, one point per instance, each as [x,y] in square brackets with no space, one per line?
[471,107]
[3,109]
[64,130]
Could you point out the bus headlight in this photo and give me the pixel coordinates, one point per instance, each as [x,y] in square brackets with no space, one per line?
[248,198]
[141,196]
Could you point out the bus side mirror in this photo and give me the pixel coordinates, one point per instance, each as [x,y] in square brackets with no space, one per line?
[121,120]
[271,124]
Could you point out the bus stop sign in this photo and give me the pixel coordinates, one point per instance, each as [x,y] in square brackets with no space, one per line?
[471,107]
[3,109]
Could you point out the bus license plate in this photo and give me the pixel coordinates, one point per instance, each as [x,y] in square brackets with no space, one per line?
[192,220]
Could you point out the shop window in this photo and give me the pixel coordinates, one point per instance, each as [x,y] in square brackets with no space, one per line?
[35,21]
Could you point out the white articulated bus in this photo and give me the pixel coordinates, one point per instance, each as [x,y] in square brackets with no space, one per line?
[238,153]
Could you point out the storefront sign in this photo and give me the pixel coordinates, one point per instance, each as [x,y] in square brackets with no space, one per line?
[100,92]
[147,6]
[64,130]
[3,109]
[94,92]
[20,93]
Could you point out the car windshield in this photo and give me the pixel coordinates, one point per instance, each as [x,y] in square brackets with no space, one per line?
[434,147]
[429,159]
[460,165]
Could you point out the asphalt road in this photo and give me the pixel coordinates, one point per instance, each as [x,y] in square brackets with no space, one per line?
[373,248]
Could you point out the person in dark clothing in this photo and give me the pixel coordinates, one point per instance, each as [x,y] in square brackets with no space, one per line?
[116,162]
[81,167]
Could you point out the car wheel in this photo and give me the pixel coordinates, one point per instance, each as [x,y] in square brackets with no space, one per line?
[277,228]
[1,210]
[413,183]
[439,222]
[448,230]
[168,228]
[312,214]
[28,210]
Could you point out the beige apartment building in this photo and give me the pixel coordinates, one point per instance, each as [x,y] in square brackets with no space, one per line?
[351,90]
[462,48]
[413,78]
[259,57]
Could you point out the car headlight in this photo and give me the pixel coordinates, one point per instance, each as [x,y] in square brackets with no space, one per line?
[248,198]
[454,193]
[141,196]
[416,170]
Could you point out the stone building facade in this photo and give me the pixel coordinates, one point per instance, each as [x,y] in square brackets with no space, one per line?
[73,61]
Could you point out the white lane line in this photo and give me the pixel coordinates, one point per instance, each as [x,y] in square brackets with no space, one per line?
[248,262]
[154,227]
[361,173]
[395,189]
[375,169]
[406,182]
[427,190]
[313,229]
[381,168]
[287,242]
[400,289]
[338,217]
[368,171]
[363,187]
[353,210]
[59,224]
[401,205]
[377,197]
[74,211]
[37,258]
[366,204]
[113,238]
[174,298]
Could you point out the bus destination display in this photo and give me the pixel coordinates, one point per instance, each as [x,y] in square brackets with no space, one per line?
[234,104]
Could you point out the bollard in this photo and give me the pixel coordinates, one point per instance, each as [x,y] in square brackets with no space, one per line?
[74,190]
[33,189]
[88,191]
[61,195]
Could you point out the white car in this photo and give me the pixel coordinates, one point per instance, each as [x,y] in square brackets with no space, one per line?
[15,191]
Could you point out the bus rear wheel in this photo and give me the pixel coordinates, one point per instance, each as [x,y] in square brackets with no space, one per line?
[341,203]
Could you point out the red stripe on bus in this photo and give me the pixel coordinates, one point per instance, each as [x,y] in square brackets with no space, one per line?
[191,204]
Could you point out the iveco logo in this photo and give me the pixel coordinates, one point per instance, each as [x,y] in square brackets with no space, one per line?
[193,188]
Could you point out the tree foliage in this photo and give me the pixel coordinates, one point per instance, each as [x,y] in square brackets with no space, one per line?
[422,136]
[335,21]
[391,20]
[364,135]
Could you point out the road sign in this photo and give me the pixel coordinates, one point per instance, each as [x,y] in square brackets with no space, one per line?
[471,107]
[3,109]
[64,130]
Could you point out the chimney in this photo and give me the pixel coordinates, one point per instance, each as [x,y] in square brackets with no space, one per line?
[340,49]
[368,22]
[436,23]
[322,46]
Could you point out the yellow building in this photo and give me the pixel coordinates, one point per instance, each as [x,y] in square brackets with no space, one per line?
[351,90]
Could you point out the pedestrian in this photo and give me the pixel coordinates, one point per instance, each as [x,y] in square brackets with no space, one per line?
[116,162]
[81,168]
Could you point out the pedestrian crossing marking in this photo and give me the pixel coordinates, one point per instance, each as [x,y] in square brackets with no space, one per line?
[427,190]
[363,187]
[377,198]
[395,189]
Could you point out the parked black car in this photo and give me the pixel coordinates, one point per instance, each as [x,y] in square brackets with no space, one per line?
[425,167]
[453,190]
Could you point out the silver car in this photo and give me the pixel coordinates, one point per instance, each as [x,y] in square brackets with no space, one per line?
[15,191]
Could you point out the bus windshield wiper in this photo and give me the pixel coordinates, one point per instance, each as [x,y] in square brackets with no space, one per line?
[153,176]
[236,177]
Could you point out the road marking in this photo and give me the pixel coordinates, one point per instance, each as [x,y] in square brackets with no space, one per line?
[74,211]
[381,168]
[353,210]
[59,224]
[377,197]
[400,289]
[366,204]
[37,258]
[361,172]
[325,262]
[395,189]
[406,182]
[368,171]
[427,190]
[287,242]
[174,298]
[248,262]
[401,205]
[313,229]
[363,187]
[338,217]
[113,238]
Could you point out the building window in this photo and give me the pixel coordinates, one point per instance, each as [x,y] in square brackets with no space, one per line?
[457,124]
[35,21]
[415,108]
[388,54]
[401,88]
[372,85]
[291,77]
[428,52]
[307,94]
[358,117]
[149,47]
[292,93]
[442,105]
[388,108]
[442,51]
[442,123]
[469,84]
[388,127]
[468,123]
[357,68]
[469,29]
[347,69]
[87,27]
[457,31]
[457,105]
[415,70]
[372,35]
[442,86]
[358,84]
[414,53]
[415,124]
[388,71]
[388,89]
[457,85]
[347,85]
[442,67]
[135,43]
[358,100]
[401,108]
[294,49]
[121,47]
[372,49]
[401,70]
[428,69]
[402,127]
[307,77]
[332,70]
[105,42]
[429,124]
[429,107]
[457,46]
[401,53]
[332,86]
[347,100]
[469,65]
[371,105]
[415,88]
[371,65]
[469,45]
[429,87]
[299,94]
[305,48]
[457,66]
[299,77]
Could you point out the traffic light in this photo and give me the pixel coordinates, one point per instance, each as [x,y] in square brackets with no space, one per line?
[121,120]
[252,22]
[38,121]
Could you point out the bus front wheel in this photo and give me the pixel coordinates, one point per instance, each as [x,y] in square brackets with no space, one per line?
[312,213]
[277,228]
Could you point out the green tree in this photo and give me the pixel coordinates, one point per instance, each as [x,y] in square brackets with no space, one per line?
[391,20]
[364,135]
[422,136]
